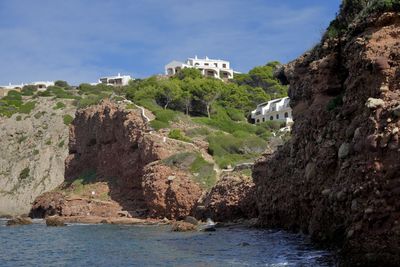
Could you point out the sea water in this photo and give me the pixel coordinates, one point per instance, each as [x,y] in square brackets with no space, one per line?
[121,245]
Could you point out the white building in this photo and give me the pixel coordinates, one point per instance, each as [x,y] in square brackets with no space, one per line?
[119,80]
[274,110]
[41,86]
[215,68]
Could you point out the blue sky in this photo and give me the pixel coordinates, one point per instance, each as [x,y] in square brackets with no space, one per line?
[80,40]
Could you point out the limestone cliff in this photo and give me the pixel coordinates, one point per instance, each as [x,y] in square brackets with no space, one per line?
[338,178]
[33,149]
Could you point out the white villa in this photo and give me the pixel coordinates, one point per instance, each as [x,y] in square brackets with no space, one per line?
[274,110]
[215,68]
[119,80]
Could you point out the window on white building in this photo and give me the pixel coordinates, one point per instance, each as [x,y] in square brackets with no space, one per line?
[271,118]
[224,65]
[263,119]
[277,116]
[286,115]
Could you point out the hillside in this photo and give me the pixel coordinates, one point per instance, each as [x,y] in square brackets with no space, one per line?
[337,179]
[217,131]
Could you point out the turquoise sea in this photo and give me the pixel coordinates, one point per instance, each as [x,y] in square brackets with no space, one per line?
[116,245]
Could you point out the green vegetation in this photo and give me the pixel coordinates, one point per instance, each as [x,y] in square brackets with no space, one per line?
[48,142]
[59,105]
[61,144]
[219,109]
[230,149]
[24,173]
[203,171]
[67,119]
[13,103]
[62,84]
[351,10]
[178,135]
[18,118]
[35,152]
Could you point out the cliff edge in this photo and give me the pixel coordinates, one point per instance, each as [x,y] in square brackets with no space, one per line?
[338,178]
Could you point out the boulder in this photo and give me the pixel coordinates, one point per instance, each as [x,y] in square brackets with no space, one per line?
[373,103]
[19,221]
[181,226]
[55,221]
[192,220]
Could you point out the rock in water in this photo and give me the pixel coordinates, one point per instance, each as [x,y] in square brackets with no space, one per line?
[54,221]
[180,226]
[19,221]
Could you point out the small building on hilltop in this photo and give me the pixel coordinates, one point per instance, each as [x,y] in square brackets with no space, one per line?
[274,110]
[42,86]
[215,68]
[119,80]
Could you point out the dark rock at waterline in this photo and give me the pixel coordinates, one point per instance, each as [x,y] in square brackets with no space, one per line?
[191,220]
[181,226]
[19,221]
[54,221]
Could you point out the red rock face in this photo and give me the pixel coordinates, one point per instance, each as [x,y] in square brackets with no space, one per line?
[169,192]
[116,146]
[338,178]
[230,199]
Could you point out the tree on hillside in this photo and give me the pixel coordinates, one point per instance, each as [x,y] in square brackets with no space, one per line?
[189,73]
[263,77]
[60,83]
[207,92]
[170,91]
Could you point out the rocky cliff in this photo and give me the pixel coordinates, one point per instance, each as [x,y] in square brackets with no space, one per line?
[116,162]
[338,178]
[33,149]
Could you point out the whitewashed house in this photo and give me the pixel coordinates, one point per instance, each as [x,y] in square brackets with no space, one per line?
[119,80]
[41,86]
[215,68]
[274,110]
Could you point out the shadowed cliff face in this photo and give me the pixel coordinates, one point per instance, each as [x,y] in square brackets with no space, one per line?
[338,179]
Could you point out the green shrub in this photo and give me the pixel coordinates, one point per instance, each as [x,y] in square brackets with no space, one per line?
[228,149]
[35,152]
[67,119]
[157,125]
[28,90]
[48,142]
[24,174]
[178,135]
[235,114]
[203,171]
[27,107]
[199,131]
[59,105]
[60,83]
[13,95]
[61,144]
[18,118]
